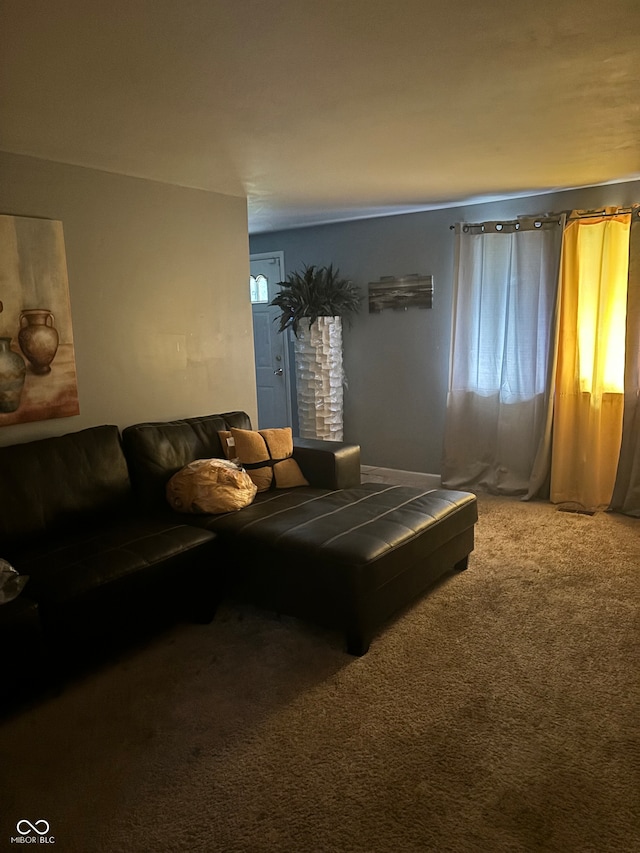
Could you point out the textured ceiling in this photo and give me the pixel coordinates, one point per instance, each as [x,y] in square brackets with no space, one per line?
[326,110]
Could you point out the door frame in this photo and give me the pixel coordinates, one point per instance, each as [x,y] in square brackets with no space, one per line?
[264,256]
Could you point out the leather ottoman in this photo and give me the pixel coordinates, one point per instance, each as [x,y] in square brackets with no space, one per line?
[350,557]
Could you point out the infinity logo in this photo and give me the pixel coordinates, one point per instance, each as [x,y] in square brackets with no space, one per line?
[32,827]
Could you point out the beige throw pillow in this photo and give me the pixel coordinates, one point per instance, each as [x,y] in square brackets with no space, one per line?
[266,455]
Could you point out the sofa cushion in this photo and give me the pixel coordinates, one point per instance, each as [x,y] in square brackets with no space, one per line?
[60,482]
[210,485]
[73,567]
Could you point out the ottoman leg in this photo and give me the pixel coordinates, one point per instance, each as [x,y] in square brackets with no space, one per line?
[462,564]
[357,643]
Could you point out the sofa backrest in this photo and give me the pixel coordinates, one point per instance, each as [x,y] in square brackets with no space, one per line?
[53,483]
[155,451]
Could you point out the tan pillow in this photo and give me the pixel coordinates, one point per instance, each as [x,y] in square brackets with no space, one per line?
[210,486]
[266,454]
[286,471]
[253,454]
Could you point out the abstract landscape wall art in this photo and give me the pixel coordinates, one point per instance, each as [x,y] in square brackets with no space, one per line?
[410,291]
[37,358]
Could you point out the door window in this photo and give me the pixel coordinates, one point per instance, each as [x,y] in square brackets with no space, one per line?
[259,289]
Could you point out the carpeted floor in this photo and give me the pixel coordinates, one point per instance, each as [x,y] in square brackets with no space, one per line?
[500,713]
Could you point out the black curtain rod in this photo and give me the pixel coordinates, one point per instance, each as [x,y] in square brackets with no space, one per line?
[634,209]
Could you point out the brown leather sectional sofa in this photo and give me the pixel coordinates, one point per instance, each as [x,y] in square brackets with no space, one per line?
[85,516]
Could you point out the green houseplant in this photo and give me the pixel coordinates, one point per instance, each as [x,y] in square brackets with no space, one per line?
[315,292]
[312,304]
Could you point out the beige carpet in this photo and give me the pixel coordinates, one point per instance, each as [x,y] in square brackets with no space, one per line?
[500,713]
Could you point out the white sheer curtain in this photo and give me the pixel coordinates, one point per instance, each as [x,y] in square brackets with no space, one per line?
[498,422]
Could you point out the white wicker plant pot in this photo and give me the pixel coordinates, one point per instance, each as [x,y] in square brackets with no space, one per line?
[320,379]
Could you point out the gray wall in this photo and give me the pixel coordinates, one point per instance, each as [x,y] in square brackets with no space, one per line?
[158,282]
[397,363]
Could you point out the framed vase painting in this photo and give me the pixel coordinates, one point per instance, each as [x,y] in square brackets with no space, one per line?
[37,358]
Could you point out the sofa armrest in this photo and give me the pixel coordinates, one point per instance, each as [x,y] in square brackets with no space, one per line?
[328,464]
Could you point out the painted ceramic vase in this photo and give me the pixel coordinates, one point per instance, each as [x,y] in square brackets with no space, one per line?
[12,374]
[38,338]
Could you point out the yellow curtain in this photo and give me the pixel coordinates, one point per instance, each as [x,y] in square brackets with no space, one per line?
[589,399]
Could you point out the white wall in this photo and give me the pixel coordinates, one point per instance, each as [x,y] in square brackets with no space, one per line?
[158,282]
